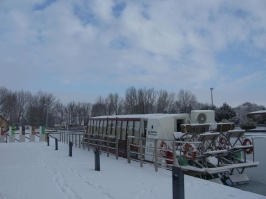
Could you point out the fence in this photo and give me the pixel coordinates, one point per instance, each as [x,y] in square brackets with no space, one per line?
[135,150]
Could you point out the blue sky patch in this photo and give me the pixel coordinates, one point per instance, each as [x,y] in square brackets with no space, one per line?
[85,15]
[44,5]
[120,43]
[118,9]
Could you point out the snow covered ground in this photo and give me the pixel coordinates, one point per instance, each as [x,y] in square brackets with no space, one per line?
[35,170]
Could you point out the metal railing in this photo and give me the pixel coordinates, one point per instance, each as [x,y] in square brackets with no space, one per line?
[75,137]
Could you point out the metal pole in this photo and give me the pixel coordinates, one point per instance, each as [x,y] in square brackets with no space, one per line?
[76,143]
[211,96]
[140,153]
[79,140]
[47,139]
[156,155]
[116,147]
[56,144]
[174,154]
[178,183]
[107,146]
[70,149]
[46,116]
[97,159]
[128,151]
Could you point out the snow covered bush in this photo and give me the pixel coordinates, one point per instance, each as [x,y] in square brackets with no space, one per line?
[247,124]
[225,112]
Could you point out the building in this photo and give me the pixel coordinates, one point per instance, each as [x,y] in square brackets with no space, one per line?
[253,115]
[4,123]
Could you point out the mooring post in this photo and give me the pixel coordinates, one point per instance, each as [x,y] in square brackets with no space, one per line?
[70,149]
[107,146]
[56,143]
[178,183]
[47,139]
[97,159]
[116,147]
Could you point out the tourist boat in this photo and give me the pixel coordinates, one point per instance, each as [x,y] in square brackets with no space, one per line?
[194,142]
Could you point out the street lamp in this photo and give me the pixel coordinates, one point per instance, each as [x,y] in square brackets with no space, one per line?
[211,96]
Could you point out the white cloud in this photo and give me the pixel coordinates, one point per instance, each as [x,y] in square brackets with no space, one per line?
[162,44]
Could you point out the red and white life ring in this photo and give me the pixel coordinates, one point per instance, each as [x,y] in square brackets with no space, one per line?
[166,153]
[223,143]
[189,151]
[247,142]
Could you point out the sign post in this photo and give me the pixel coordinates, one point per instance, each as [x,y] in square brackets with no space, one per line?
[32,134]
[2,135]
[22,134]
[42,134]
[12,134]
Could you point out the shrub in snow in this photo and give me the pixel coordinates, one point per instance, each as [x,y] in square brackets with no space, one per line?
[247,124]
[225,112]
[259,119]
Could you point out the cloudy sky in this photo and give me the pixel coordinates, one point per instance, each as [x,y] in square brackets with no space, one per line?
[80,49]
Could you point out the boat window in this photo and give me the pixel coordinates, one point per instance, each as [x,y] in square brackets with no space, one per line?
[145,128]
[178,125]
[130,128]
[136,130]
[118,129]
[124,125]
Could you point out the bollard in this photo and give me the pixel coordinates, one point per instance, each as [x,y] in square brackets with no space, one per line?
[178,183]
[97,159]
[47,139]
[70,149]
[56,144]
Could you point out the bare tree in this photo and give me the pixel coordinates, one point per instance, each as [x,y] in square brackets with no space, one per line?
[100,107]
[131,101]
[115,104]
[247,107]
[21,103]
[38,106]
[149,100]
[186,100]
[86,112]
[72,113]
[165,102]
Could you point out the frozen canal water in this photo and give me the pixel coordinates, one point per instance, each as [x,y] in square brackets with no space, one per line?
[257,175]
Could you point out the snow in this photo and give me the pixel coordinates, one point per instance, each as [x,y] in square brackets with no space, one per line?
[257,112]
[35,170]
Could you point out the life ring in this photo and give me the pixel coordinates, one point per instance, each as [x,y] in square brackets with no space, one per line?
[223,143]
[165,153]
[189,151]
[247,142]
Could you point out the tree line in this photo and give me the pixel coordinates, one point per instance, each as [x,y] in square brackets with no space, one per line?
[23,107]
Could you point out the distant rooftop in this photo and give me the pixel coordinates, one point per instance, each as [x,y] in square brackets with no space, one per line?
[258,112]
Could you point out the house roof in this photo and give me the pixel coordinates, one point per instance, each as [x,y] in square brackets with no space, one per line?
[258,112]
